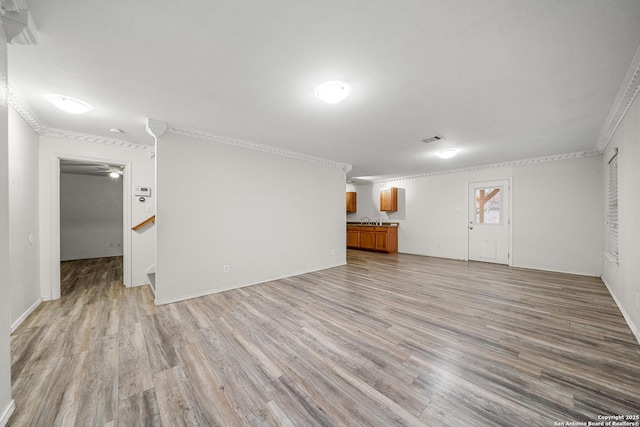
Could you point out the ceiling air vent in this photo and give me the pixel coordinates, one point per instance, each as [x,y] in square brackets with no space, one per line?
[432,139]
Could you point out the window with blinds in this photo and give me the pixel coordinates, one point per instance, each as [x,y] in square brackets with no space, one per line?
[612,207]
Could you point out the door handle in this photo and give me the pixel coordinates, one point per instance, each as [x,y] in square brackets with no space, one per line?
[470,228]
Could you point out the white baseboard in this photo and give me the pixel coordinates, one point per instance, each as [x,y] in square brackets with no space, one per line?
[25,315]
[4,419]
[577,273]
[133,285]
[634,329]
[239,285]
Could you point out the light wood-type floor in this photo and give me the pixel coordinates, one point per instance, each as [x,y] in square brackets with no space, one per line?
[385,340]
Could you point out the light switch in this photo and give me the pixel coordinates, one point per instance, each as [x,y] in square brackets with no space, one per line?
[149,207]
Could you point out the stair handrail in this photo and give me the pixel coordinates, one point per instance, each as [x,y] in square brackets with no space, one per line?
[143,223]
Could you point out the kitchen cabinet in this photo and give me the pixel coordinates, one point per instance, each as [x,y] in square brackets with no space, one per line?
[352,205]
[389,199]
[380,238]
[367,238]
[353,237]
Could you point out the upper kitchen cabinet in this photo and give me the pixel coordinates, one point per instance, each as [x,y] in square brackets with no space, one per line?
[389,199]
[352,205]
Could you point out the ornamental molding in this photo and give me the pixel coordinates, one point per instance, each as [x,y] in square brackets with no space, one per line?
[18,102]
[626,95]
[565,156]
[201,134]
[84,137]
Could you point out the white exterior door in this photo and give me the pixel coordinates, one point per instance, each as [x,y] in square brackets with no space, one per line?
[489,221]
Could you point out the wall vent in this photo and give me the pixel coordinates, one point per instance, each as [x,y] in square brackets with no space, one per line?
[432,139]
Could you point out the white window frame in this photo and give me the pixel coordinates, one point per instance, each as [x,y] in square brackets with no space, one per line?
[612,208]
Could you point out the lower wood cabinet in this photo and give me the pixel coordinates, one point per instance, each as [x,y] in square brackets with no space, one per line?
[353,237]
[367,238]
[373,238]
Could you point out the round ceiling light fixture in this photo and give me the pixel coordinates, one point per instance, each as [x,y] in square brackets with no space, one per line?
[447,153]
[114,174]
[333,92]
[69,104]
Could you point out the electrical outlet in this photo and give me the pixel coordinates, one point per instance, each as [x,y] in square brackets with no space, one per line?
[225,268]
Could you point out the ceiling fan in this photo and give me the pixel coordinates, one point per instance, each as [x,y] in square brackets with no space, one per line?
[91,168]
[116,172]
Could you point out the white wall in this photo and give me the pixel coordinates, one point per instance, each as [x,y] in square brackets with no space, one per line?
[90,216]
[141,173]
[6,403]
[23,217]
[557,213]
[558,216]
[623,279]
[264,215]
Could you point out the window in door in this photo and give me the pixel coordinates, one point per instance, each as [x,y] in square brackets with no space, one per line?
[488,205]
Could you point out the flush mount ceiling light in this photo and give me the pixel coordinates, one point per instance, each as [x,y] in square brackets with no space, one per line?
[333,92]
[114,174]
[447,154]
[69,104]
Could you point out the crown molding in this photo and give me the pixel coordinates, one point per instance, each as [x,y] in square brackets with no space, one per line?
[17,100]
[564,156]
[65,134]
[626,95]
[18,103]
[196,133]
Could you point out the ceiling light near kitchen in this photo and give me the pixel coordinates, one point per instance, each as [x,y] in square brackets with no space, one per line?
[69,104]
[333,92]
[447,154]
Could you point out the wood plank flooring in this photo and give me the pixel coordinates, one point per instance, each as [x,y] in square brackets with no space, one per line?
[385,340]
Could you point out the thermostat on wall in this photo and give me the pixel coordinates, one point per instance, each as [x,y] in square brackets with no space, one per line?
[143,191]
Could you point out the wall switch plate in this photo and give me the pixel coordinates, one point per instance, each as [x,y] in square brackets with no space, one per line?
[225,268]
[149,208]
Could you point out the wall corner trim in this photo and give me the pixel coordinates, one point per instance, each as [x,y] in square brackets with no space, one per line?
[553,157]
[626,95]
[18,102]
[6,414]
[24,315]
[202,134]
[66,134]
[627,318]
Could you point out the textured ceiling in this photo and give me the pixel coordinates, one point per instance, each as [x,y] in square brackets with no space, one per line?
[499,80]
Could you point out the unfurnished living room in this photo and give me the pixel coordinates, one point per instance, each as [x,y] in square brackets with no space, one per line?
[335,213]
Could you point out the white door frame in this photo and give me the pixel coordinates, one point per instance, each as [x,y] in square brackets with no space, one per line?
[509,214]
[55,216]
